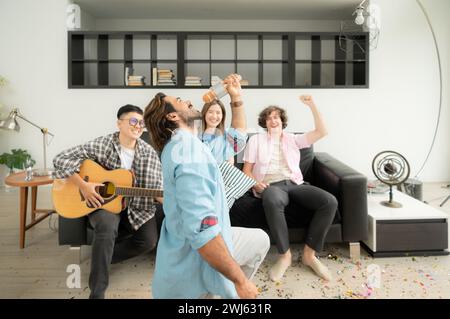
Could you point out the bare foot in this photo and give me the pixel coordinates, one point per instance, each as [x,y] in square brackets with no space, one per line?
[277,271]
[320,269]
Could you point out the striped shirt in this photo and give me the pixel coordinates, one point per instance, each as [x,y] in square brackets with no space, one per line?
[105,150]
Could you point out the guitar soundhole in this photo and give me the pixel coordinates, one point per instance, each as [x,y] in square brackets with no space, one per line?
[107,191]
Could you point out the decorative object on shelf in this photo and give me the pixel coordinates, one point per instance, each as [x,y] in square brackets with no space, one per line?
[392,169]
[17,159]
[10,123]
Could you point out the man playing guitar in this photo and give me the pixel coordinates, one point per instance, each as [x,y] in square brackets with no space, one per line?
[122,149]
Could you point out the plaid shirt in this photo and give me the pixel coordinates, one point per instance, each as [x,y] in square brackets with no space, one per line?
[105,151]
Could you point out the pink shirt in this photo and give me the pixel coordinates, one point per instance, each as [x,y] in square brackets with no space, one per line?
[260,148]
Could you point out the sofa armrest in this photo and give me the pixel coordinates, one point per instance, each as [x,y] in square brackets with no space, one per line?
[350,189]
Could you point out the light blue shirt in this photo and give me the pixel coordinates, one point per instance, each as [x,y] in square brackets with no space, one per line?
[225,146]
[193,191]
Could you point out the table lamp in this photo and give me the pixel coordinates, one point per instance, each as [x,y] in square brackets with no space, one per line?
[10,123]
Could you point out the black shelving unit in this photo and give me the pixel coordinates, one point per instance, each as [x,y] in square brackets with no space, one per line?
[264,59]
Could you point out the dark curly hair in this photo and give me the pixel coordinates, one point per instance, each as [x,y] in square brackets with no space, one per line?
[267,111]
[159,127]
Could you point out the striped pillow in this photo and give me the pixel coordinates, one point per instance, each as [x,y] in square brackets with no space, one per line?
[235,181]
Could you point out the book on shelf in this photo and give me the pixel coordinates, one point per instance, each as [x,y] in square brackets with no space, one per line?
[192,81]
[165,70]
[165,77]
[135,80]
[166,81]
[154,76]
[136,77]
[128,72]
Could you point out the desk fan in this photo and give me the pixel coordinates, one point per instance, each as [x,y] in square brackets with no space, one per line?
[392,169]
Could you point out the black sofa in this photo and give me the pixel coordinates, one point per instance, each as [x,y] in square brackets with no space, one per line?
[319,169]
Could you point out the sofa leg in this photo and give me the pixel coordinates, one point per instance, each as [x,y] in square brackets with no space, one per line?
[354,249]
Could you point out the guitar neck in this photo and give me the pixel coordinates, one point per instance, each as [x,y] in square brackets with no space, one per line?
[138,192]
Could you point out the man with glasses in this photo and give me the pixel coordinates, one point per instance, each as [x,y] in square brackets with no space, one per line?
[122,149]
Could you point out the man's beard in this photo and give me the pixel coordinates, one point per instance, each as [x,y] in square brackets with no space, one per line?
[190,117]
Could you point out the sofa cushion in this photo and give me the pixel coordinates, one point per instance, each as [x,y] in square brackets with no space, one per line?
[248,211]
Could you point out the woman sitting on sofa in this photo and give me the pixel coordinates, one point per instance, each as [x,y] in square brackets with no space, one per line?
[225,143]
[272,158]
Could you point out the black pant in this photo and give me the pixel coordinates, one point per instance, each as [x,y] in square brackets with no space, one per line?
[107,248]
[277,196]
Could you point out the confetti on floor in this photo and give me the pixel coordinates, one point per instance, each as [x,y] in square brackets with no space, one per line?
[399,277]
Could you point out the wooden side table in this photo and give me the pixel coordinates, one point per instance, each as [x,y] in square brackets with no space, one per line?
[18,179]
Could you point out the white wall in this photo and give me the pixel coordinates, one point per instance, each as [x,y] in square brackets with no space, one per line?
[398,111]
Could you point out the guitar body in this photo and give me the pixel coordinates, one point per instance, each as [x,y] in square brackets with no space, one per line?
[69,201]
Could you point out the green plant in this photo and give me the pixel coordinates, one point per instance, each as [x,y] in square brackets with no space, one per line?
[18,158]
[3,81]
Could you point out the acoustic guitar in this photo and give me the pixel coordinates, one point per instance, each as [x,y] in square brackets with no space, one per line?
[117,184]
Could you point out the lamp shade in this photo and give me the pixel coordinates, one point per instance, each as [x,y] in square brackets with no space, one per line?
[10,123]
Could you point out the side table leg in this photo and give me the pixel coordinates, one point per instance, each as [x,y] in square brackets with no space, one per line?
[23,214]
[354,251]
[33,202]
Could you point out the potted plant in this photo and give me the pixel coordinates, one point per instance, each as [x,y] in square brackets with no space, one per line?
[3,81]
[17,159]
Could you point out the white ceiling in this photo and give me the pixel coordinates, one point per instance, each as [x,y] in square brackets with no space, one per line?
[220,9]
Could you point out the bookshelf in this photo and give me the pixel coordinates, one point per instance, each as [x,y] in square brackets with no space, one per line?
[193,59]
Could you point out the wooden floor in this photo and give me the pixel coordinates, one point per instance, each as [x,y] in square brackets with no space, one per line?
[39,270]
